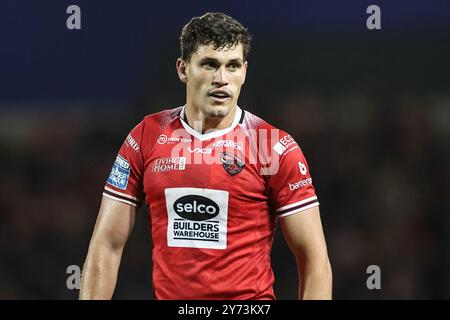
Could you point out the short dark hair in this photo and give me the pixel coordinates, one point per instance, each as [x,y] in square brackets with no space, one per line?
[214,28]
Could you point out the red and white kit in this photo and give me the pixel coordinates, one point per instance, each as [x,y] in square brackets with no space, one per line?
[209,197]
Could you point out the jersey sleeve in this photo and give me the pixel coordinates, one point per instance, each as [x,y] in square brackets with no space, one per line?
[125,183]
[290,187]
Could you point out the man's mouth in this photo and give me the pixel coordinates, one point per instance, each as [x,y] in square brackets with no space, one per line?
[219,95]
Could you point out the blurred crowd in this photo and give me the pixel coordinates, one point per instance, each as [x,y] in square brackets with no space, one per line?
[380,165]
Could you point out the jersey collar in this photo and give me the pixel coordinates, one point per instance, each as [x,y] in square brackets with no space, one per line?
[213,134]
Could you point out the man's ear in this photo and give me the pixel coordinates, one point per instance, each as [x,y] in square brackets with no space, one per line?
[181,66]
[245,71]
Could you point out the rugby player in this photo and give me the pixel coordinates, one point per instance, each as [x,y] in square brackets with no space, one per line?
[216,179]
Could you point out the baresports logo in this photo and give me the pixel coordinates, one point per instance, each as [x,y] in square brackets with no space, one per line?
[302,168]
[300,184]
[231,163]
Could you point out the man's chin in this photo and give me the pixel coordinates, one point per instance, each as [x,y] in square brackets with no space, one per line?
[217,111]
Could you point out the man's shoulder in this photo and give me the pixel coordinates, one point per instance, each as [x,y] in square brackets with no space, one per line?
[152,124]
[163,117]
[159,120]
[264,131]
[252,121]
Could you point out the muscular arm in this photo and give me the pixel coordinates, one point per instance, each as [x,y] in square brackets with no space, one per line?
[114,224]
[304,235]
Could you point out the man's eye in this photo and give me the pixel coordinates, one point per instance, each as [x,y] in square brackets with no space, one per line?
[209,65]
[234,66]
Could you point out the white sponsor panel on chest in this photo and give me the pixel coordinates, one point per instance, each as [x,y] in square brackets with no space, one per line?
[197,218]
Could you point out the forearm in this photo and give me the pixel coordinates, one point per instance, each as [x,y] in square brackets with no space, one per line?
[315,281]
[99,275]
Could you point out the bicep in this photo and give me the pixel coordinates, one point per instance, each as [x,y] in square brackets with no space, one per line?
[304,234]
[114,224]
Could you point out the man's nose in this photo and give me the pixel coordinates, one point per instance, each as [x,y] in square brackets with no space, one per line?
[220,77]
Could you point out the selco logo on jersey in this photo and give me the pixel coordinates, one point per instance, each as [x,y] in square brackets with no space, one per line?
[196,208]
[197,217]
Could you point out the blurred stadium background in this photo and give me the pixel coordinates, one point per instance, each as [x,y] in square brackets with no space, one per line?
[371,110]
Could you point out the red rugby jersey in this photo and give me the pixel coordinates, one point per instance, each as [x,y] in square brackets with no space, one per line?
[209,197]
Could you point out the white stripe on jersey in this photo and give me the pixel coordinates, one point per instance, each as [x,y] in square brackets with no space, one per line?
[122,194]
[296,203]
[299,210]
[119,199]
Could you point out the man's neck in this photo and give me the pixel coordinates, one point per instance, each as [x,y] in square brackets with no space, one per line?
[201,123]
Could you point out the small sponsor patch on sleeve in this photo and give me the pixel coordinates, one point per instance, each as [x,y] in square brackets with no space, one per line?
[279,148]
[130,142]
[120,173]
[283,146]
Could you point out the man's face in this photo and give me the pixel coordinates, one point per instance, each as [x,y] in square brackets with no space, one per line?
[214,79]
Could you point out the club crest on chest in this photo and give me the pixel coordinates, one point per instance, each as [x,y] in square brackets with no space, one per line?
[231,163]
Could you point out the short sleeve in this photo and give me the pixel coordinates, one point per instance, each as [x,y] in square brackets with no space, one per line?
[124,183]
[290,187]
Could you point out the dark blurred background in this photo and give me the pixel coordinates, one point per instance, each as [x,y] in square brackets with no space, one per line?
[370,108]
